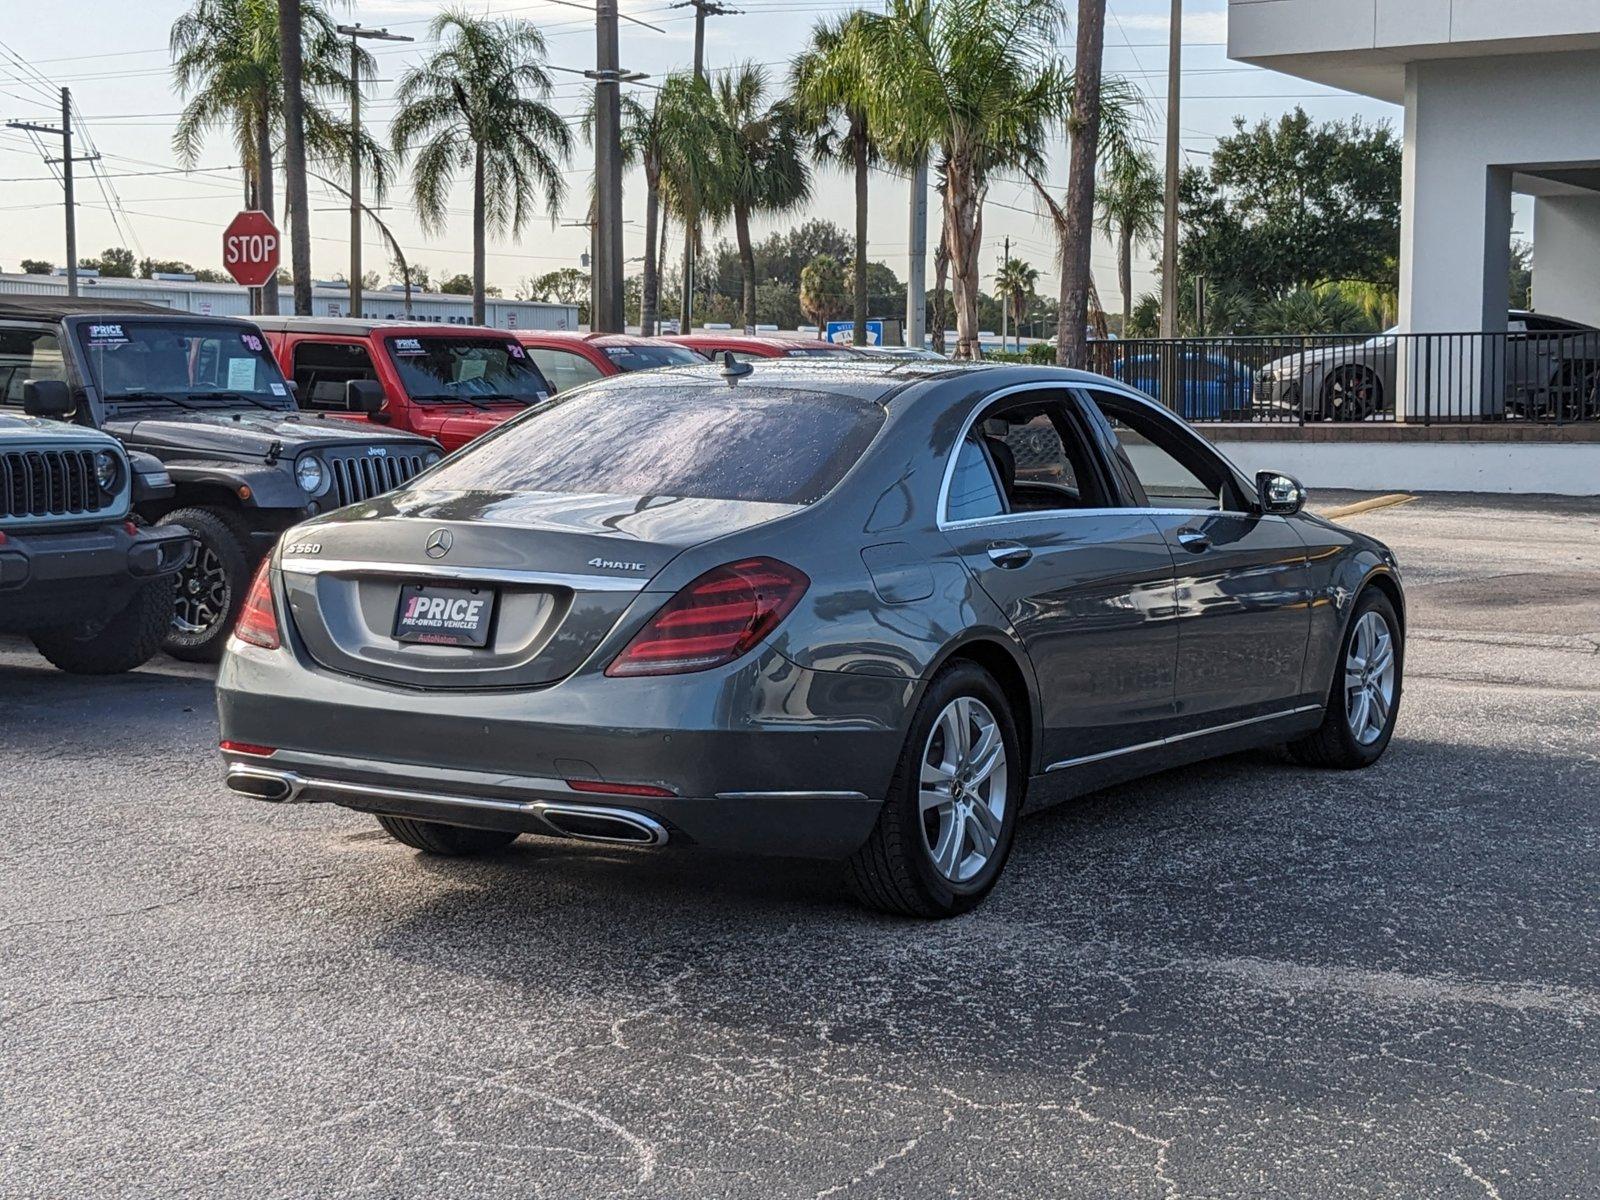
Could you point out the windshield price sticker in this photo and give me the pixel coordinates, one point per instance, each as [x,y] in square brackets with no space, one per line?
[107,335]
[515,350]
[408,346]
[241,374]
[279,390]
[618,354]
[251,342]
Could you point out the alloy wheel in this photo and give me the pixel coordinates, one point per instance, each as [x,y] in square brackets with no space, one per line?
[962,793]
[1369,678]
[203,594]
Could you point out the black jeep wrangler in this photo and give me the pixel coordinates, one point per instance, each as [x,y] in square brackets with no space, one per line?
[89,586]
[205,397]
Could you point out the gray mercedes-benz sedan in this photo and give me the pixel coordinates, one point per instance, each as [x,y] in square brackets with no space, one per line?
[861,611]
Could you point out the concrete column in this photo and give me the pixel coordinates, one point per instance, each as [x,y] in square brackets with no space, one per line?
[1566,276]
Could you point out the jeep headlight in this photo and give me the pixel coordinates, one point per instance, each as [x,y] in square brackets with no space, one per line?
[309,474]
[107,471]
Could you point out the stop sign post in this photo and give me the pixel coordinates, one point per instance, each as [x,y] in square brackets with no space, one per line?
[250,248]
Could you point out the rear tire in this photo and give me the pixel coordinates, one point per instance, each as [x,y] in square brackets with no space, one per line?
[1335,743]
[211,586]
[453,841]
[962,712]
[128,640]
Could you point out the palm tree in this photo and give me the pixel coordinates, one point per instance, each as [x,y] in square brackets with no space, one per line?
[756,163]
[832,89]
[980,83]
[290,37]
[226,64]
[822,290]
[1130,202]
[1015,283]
[479,101]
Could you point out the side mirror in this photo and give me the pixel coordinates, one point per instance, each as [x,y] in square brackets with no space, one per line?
[1280,495]
[363,395]
[47,398]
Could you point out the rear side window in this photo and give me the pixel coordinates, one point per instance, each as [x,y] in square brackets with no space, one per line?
[321,369]
[712,443]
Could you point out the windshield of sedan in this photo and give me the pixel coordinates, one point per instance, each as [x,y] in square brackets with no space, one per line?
[467,370]
[649,357]
[182,364]
[771,445]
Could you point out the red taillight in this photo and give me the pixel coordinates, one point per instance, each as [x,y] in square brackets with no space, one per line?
[715,619]
[247,748]
[599,788]
[258,619]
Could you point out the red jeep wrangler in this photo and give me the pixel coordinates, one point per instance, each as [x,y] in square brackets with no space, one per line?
[447,382]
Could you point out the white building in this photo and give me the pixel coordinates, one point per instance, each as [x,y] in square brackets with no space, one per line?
[328,300]
[1500,96]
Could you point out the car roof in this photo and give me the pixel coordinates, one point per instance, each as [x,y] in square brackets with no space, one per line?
[365,326]
[590,336]
[747,341]
[53,308]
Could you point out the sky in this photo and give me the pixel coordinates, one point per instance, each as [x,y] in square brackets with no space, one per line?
[114,57]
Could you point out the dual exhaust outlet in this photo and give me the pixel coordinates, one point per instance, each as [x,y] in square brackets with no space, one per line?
[583,822]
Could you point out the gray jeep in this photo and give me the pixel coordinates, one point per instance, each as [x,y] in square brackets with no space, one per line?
[92,588]
[205,397]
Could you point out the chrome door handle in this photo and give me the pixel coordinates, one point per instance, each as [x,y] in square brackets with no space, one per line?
[1009,555]
[1193,539]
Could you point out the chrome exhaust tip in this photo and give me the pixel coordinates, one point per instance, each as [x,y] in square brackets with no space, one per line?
[259,783]
[590,823]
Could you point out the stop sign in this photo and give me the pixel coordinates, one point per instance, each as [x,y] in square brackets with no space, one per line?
[250,248]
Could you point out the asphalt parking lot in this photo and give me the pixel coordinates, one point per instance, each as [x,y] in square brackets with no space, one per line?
[1242,979]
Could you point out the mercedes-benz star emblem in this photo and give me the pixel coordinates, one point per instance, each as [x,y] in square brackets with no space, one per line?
[438,543]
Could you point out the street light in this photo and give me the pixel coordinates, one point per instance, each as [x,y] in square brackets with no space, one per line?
[355,33]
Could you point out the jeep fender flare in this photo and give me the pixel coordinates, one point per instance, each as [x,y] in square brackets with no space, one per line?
[269,487]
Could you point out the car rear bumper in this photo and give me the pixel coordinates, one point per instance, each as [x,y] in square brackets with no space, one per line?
[763,757]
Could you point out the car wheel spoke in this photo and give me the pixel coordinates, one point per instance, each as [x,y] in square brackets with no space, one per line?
[963,789]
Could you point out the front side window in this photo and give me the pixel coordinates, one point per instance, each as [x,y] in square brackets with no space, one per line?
[769,445]
[1169,468]
[136,362]
[27,354]
[321,370]
[565,369]
[466,370]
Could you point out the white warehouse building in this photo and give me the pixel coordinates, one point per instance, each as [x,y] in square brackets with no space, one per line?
[328,300]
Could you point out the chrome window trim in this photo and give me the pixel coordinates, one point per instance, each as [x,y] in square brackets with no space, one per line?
[336,566]
[802,795]
[1180,737]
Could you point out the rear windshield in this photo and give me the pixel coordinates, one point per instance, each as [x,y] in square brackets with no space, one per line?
[648,358]
[712,443]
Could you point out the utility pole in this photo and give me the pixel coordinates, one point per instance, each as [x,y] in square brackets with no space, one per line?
[294,155]
[1005,301]
[702,10]
[355,33]
[66,160]
[607,314]
[1169,224]
[917,266]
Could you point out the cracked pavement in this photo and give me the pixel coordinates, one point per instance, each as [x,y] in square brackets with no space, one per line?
[1244,978]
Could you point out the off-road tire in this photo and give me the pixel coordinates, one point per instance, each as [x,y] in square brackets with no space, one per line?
[893,871]
[127,640]
[225,536]
[454,841]
[1332,744]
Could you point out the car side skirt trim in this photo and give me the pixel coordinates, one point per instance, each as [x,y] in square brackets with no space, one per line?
[800,795]
[1064,764]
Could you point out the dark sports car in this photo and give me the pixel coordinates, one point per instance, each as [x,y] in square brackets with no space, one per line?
[806,610]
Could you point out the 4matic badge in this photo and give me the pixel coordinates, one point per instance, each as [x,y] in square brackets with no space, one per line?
[608,564]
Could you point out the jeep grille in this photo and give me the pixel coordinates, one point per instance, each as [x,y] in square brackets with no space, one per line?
[362,476]
[43,483]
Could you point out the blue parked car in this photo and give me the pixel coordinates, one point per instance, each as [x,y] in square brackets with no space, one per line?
[1211,387]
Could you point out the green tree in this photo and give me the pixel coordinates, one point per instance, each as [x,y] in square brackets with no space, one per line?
[115,262]
[226,65]
[757,167]
[37,266]
[1131,202]
[149,268]
[980,83]
[568,285]
[478,102]
[457,285]
[822,290]
[1293,204]
[1014,285]
[832,84]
